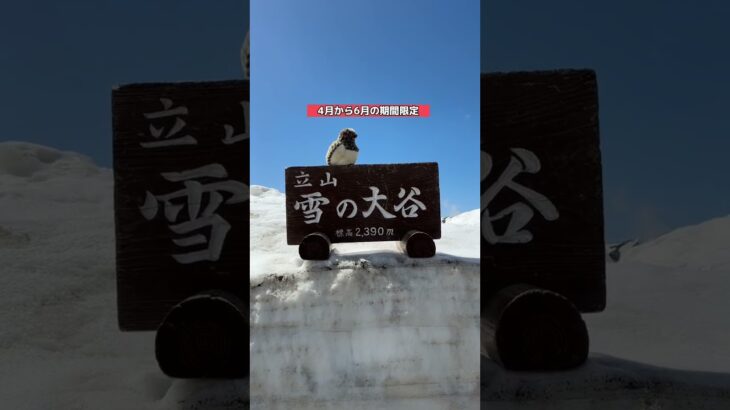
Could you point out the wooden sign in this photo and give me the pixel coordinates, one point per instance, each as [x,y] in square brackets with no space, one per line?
[181,172]
[362,203]
[542,221]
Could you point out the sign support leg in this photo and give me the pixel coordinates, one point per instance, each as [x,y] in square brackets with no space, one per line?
[417,244]
[532,329]
[205,336]
[315,246]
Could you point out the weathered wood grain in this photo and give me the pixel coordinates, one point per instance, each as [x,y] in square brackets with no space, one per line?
[157,236]
[356,183]
[553,115]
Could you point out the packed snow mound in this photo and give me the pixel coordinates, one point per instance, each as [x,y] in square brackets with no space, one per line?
[459,239]
[461,235]
[376,335]
[26,160]
[35,176]
[604,382]
[60,344]
[368,328]
[268,240]
[705,246]
[667,300]
[472,218]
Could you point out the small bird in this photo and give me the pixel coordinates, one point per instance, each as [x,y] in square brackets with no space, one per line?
[343,151]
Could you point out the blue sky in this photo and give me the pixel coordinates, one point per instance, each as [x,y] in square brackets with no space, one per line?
[367,52]
[60,60]
[664,97]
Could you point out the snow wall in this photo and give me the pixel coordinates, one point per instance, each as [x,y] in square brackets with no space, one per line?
[369,328]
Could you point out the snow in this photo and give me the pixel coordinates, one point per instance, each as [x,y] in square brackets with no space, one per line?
[59,343]
[605,382]
[668,300]
[660,344]
[368,324]
[703,247]
[663,338]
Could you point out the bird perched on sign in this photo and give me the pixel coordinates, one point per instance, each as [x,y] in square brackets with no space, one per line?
[343,151]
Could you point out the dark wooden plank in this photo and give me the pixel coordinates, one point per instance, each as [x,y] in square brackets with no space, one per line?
[542,185]
[367,202]
[181,172]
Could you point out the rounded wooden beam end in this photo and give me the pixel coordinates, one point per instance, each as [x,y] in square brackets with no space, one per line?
[531,329]
[205,336]
[417,244]
[315,246]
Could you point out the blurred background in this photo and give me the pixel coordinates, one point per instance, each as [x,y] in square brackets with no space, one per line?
[60,60]
[663,92]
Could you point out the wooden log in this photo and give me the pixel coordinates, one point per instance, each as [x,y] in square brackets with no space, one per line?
[532,329]
[417,244]
[205,336]
[315,246]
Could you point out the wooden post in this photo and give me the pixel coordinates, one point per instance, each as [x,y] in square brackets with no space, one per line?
[315,246]
[417,244]
[206,335]
[528,328]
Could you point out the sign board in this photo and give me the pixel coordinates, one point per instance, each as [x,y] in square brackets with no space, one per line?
[362,203]
[181,169]
[542,204]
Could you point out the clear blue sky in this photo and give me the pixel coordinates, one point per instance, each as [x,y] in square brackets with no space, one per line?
[663,69]
[358,52]
[60,60]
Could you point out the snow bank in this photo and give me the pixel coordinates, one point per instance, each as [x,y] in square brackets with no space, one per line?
[34,176]
[369,325]
[702,247]
[59,343]
[604,382]
[60,346]
[668,300]
[667,306]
